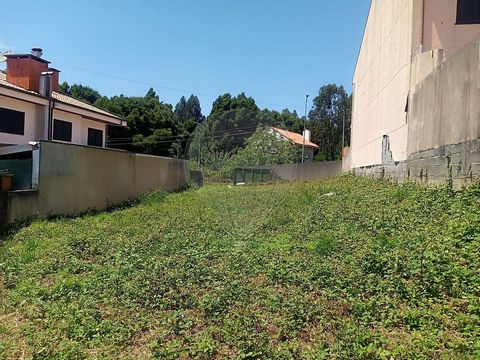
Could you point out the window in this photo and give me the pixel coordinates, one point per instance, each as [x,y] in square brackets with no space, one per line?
[62,130]
[95,137]
[468,12]
[12,122]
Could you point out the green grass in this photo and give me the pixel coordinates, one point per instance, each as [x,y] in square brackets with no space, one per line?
[278,271]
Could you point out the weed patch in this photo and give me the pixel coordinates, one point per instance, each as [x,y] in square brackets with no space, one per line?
[373,270]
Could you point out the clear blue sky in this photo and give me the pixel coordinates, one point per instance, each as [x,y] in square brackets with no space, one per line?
[273,50]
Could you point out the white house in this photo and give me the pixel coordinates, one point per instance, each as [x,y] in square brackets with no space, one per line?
[298,140]
[32,109]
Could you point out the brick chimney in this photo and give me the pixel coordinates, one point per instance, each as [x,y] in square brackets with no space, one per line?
[55,78]
[24,70]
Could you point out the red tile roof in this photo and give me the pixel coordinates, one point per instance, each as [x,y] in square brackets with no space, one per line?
[295,138]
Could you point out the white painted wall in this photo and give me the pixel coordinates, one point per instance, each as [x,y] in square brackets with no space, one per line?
[79,126]
[381,83]
[31,131]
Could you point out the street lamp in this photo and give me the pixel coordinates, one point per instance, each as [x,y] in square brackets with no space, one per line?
[304,128]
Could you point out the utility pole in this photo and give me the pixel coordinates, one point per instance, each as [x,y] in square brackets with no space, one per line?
[304,128]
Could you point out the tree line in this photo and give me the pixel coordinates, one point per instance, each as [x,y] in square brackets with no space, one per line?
[158,128]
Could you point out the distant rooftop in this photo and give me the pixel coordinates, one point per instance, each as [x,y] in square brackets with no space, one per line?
[295,138]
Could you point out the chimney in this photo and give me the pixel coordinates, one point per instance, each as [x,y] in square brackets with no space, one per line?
[37,52]
[24,70]
[55,78]
[46,83]
[307,135]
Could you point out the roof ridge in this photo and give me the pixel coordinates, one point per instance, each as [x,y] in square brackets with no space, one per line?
[295,137]
[63,98]
[97,109]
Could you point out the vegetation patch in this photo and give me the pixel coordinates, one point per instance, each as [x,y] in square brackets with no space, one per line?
[345,268]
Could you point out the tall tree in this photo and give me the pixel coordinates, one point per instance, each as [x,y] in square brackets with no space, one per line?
[181,109]
[330,113]
[193,109]
[232,120]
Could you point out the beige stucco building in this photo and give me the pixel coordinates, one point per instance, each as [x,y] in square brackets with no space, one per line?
[404,41]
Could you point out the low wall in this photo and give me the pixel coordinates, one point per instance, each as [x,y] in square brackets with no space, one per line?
[397,171]
[308,171]
[457,164]
[74,179]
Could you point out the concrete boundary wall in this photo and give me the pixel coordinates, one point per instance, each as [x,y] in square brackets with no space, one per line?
[74,179]
[308,171]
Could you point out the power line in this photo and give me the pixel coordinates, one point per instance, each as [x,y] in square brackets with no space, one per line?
[182,91]
[253,127]
[173,140]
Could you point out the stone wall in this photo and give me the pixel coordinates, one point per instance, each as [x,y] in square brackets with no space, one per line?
[455,165]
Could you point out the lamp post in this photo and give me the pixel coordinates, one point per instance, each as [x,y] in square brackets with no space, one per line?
[304,128]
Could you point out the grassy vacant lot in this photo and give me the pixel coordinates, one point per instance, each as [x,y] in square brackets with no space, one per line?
[373,270]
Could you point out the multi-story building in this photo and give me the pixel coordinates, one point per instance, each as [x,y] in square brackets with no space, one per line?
[32,109]
[404,41]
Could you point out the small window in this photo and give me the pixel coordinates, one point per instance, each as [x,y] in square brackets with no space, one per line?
[12,122]
[62,130]
[95,137]
[468,12]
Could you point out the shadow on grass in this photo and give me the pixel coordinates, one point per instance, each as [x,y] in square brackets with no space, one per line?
[156,197]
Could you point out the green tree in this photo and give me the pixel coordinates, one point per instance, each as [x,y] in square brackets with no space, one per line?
[331,109]
[181,109]
[80,92]
[193,109]
[265,148]
[152,125]
[232,120]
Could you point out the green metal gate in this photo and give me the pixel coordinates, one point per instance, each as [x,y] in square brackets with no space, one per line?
[252,175]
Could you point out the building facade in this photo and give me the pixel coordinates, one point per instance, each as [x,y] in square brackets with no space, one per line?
[32,109]
[403,43]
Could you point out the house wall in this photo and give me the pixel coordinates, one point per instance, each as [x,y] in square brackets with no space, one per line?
[445,106]
[381,82]
[36,127]
[74,179]
[80,126]
[440,29]
[404,41]
[32,118]
[444,128]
